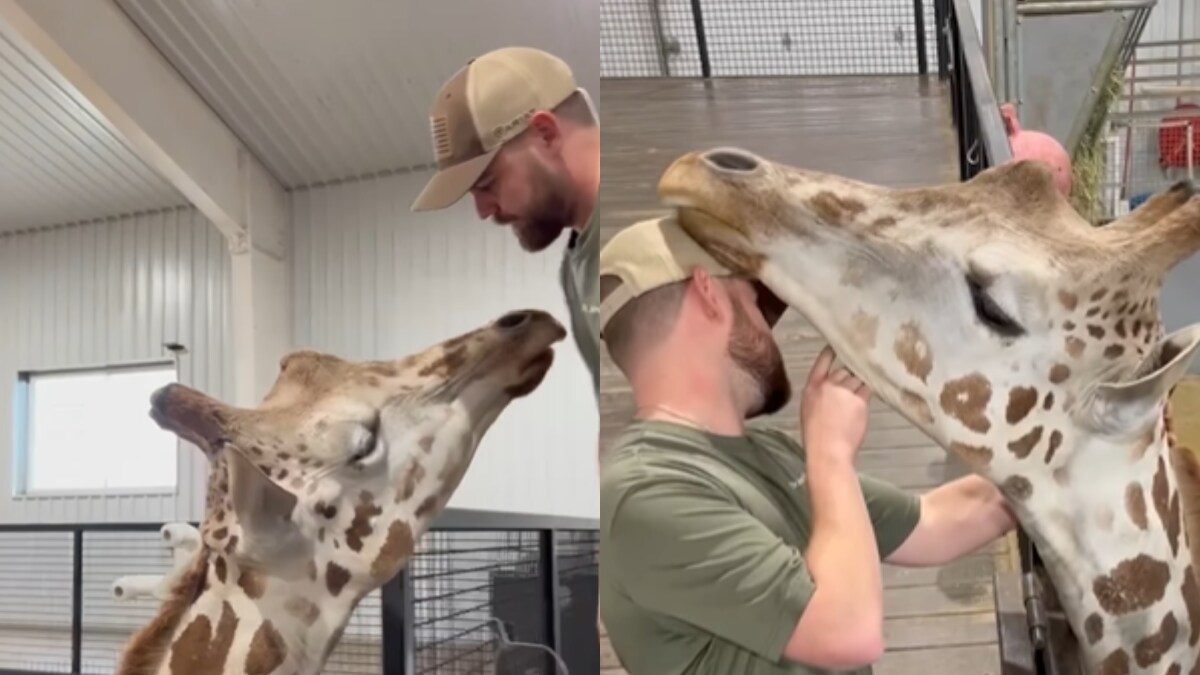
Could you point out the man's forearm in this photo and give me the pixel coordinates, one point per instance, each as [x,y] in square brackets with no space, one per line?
[971,512]
[842,554]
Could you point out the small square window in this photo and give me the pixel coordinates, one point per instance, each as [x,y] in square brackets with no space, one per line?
[89,431]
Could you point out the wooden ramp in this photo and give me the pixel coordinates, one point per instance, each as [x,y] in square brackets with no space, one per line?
[889,130]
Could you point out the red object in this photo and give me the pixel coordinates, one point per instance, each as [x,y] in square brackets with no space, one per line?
[1037,145]
[1172,140]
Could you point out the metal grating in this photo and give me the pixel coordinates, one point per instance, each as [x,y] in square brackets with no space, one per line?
[59,160]
[765,38]
[321,91]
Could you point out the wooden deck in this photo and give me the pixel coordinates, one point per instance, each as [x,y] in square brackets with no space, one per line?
[890,130]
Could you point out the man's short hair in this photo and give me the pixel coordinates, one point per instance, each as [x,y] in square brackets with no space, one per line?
[641,321]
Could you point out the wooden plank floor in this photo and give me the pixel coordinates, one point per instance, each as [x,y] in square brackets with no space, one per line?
[890,130]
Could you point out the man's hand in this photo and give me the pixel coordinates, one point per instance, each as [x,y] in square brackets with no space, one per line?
[957,519]
[833,410]
[842,627]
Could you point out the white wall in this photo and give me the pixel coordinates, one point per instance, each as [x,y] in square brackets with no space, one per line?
[106,293]
[372,280]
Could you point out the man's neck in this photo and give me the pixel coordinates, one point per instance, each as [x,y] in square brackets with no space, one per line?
[692,397]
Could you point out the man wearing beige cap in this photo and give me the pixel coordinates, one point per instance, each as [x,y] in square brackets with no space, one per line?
[726,546]
[514,129]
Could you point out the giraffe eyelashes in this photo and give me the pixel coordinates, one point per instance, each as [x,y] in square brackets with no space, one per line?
[366,441]
[990,313]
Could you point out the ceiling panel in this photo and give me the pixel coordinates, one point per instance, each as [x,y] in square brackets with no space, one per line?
[59,162]
[325,90]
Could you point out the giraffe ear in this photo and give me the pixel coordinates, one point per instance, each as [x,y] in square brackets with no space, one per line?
[1129,405]
[264,510]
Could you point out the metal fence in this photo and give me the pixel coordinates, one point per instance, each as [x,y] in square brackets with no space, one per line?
[478,582]
[765,38]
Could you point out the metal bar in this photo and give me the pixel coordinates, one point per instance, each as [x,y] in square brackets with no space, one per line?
[939,33]
[1168,60]
[987,110]
[9,528]
[451,519]
[919,25]
[1168,43]
[660,44]
[1044,7]
[701,39]
[77,606]
[1011,58]
[398,629]
[550,579]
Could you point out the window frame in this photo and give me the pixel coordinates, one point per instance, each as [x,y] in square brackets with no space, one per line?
[22,429]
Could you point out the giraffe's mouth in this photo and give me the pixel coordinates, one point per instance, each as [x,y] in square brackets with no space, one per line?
[533,372]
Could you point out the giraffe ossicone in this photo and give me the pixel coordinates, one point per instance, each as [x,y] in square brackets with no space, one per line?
[1022,339]
[320,494]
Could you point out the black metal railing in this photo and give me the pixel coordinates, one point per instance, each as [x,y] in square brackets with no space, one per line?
[479,582]
[982,141]
[764,38]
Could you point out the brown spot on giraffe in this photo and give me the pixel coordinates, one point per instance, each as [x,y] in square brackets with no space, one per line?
[1025,444]
[219,567]
[835,209]
[1069,325]
[1093,628]
[882,223]
[1135,505]
[975,456]
[913,351]
[398,546]
[267,650]
[916,406]
[1134,584]
[302,609]
[966,399]
[426,444]
[1093,312]
[232,545]
[1075,346]
[1150,649]
[427,506]
[336,578]
[1017,487]
[1173,523]
[1175,669]
[1098,295]
[1048,403]
[201,651]
[221,533]
[1158,492]
[312,570]
[864,330]
[1052,447]
[1020,401]
[1113,351]
[252,582]
[361,525]
[447,363]
[1095,331]
[1069,300]
[409,477]
[1116,663]
[1119,328]
[1191,599]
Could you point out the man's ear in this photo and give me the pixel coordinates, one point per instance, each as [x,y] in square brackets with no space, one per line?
[545,127]
[713,303]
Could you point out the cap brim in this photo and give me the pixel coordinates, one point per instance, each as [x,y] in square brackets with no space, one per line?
[449,185]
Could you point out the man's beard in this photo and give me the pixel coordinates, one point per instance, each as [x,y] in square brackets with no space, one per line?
[550,210]
[756,354]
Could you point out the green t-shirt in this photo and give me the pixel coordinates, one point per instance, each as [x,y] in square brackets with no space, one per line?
[702,537]
[579,275]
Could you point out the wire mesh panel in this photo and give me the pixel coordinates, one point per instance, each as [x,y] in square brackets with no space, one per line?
[579,589]
[765,38]
[35,601]
[1145,156]
[461,581]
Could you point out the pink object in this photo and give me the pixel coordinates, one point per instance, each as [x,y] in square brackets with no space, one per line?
[1037,145]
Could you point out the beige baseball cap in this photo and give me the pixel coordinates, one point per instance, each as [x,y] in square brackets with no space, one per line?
[657,252]
[485,104]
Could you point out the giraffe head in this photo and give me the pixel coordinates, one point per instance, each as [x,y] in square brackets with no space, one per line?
[995,318]
[344,464]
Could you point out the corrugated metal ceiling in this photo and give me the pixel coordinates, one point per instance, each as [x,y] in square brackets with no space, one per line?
[324,90]
[59,162]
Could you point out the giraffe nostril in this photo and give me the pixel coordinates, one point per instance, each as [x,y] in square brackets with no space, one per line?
[513,320]
[731,159]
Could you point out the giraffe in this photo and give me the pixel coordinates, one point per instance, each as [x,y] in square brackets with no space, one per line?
[1020,338]
[318,495]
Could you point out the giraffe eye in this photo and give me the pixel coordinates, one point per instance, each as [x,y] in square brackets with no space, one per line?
[990,313]
[366,441]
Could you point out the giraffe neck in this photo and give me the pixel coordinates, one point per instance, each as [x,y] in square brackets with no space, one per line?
[1115,545]
[245,622]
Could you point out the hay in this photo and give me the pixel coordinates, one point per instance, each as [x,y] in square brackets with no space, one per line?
[1087,165]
